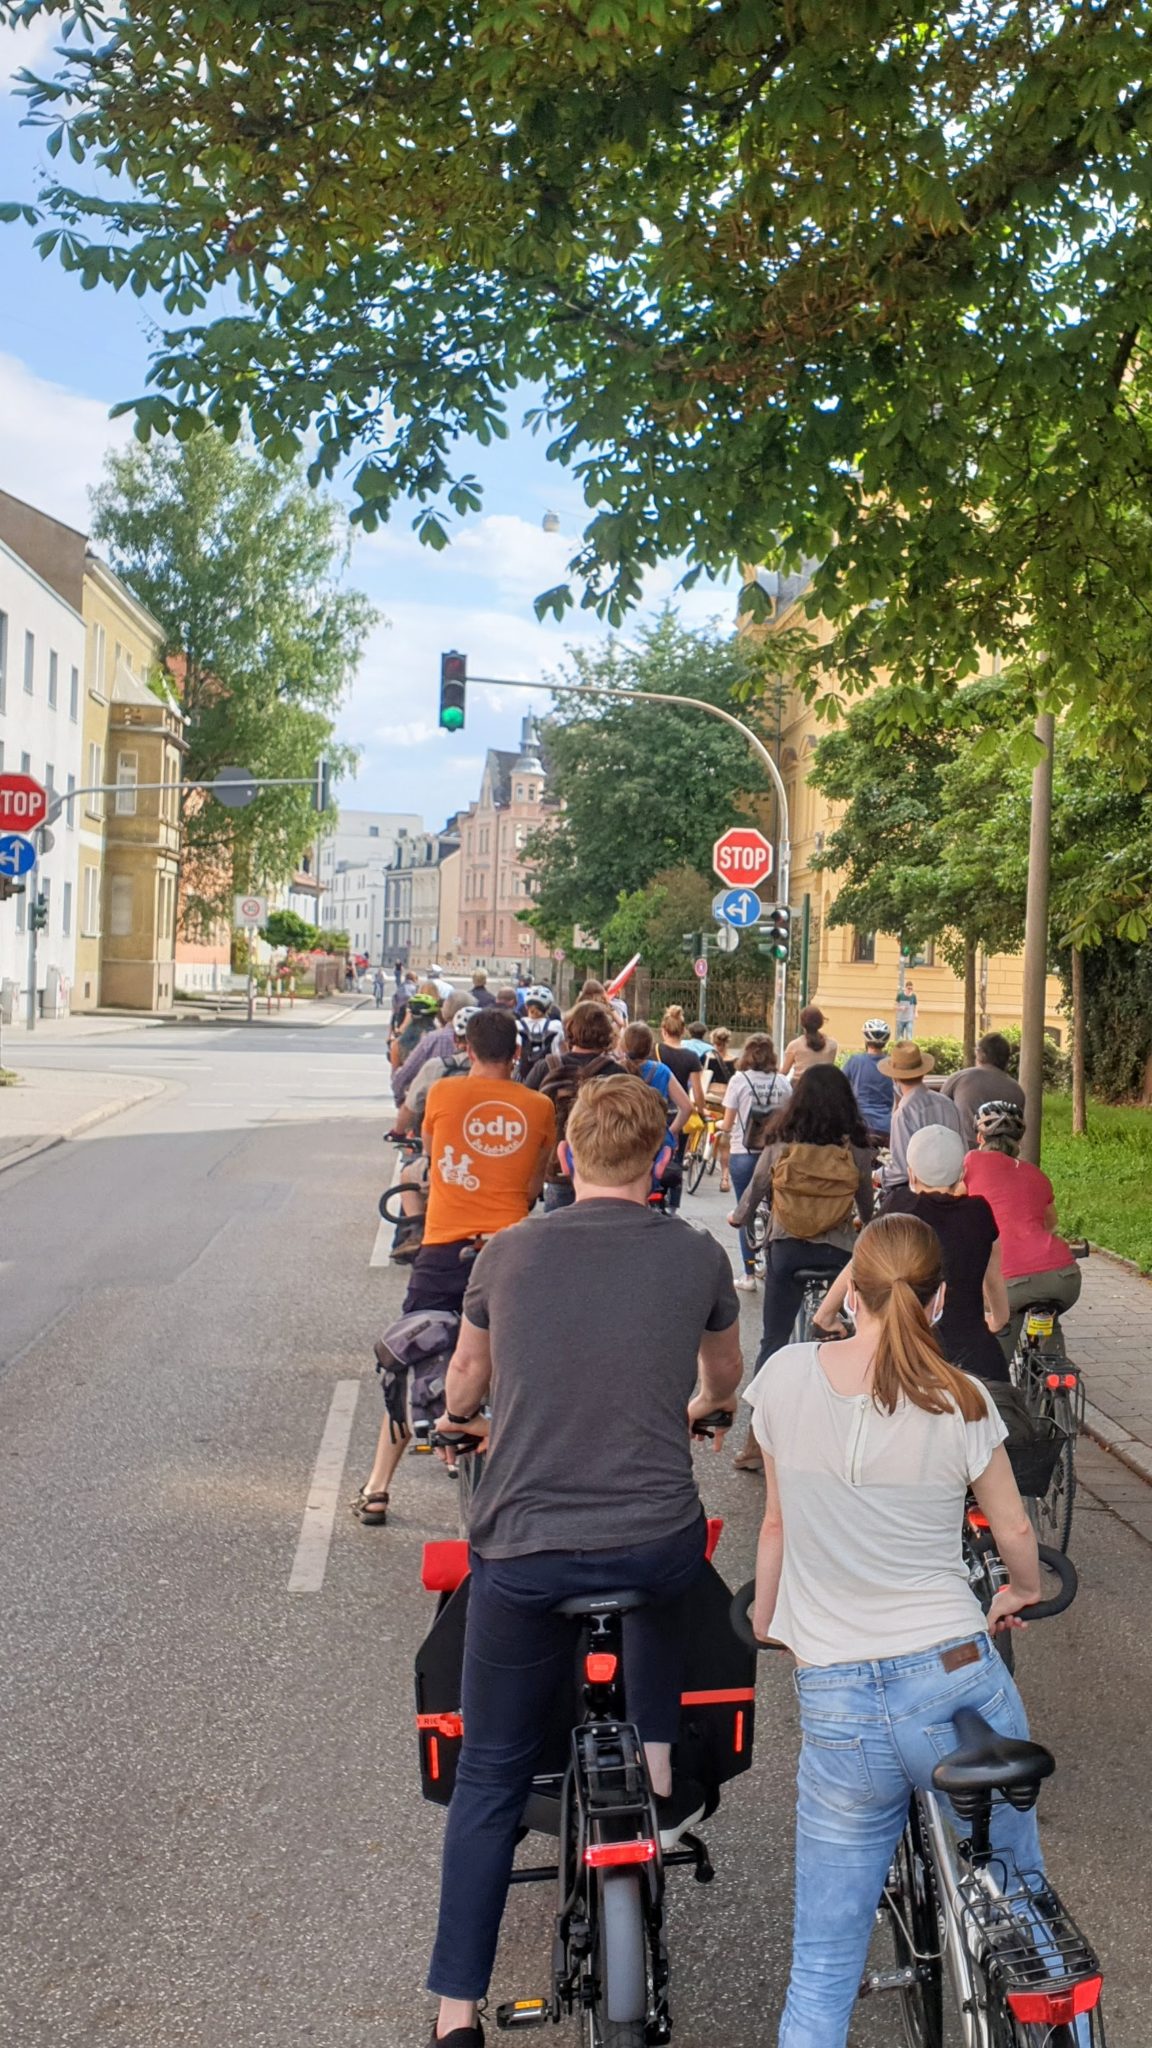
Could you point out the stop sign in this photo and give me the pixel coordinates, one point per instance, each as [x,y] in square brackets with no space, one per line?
[742,857]
[23,803]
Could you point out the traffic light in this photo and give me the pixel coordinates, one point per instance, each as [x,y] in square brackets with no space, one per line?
[322,787]
[691,943]
[38,914]
[10,888]
[776,932]
[453,683]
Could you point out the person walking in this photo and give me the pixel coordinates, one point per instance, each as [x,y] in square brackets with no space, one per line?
[755,1091]
[643,1339]
[907,1067]
[378,988]
[873,1089]
[869,1449]
[988,1081]
[813,1048]
[907,1003]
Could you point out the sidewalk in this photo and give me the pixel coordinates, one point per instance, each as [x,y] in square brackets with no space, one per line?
[1109,1335]
[48,1105]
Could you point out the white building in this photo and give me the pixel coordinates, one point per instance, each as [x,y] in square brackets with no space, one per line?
[363,839]
[353,861]
[412,902]
[41,734]
[354,903]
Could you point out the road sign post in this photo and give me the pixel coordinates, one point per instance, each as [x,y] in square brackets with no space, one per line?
[727,939]
[17,855]
[250,912]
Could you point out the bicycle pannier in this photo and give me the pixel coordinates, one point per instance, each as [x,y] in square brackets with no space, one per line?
[813,1189]
[1034,1442]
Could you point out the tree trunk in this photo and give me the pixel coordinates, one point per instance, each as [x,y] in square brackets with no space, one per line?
[969,1004]
[1079,1083]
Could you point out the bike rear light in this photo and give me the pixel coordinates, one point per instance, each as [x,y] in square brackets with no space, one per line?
[738,1732]
[451,1725]
[607,1855]
[1056,2007]
[600,1667]
[976,1520]
[1063,1380]
[433,1757]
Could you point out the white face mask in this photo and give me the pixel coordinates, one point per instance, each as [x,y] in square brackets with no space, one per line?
[937,1309]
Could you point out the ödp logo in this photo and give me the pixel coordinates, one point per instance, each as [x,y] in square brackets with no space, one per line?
[494,1130]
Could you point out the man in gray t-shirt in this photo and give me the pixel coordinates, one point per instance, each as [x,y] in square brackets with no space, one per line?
[587,1329]
[988,1081]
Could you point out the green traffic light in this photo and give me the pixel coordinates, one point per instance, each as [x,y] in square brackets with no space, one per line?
[451,718]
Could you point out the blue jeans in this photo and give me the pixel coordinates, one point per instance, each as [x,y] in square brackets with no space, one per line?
[517,1653]
[741,1167]
[871,1733]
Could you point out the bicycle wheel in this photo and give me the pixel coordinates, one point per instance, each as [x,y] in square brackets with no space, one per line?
[694,1165]
[713,1150]
[1052,1513]
[911,1905]
[621,1962]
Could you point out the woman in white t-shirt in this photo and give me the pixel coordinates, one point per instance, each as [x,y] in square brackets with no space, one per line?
[755,1089]
[870,1446]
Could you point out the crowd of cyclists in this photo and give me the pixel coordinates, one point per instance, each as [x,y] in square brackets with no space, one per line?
[871,1433]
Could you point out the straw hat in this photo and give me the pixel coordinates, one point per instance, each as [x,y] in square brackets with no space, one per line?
[906,1062]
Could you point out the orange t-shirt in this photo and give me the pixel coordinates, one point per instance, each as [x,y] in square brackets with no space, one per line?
[484,1140]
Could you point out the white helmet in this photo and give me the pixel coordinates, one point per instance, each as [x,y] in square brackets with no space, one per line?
[462,1018]
[876,1031]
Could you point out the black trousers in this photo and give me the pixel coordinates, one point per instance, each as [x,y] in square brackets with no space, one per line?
[784,1257]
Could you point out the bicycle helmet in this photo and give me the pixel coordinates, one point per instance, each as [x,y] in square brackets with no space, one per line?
[1000,1120]
[423,1006]
[876,1031]
[463,1018]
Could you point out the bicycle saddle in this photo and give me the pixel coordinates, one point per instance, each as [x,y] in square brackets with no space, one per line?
[584,1605]
[988,1762]
[804,1274]
[1046,1308]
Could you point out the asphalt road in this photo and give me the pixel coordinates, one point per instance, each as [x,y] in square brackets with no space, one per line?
[213,1831]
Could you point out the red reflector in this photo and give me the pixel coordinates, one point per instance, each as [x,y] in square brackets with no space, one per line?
[1069,1379]
[976,1520]
[724,1697]
[600,1667]
[715,1531]
[451,1725]
[433,1757]
[600,1854]
[738,1735]
[1053,1379]
[1056,2008]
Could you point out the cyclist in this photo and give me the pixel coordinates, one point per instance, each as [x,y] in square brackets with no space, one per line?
[437,1042]
[812,1048]
[481,996]
[1038,1265]
[540,1034]
[869,1449]
[696,1040]
[686,1065]
[590,1036]
[976,1300]
[639,1311]
[638,1053]
[410,1115]
[872,1088]
[415,1017]
[908,1066]
[755,1090]
[815,1169]
[487,1141]
[988,1081]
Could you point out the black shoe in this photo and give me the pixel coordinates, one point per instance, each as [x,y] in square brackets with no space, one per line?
[460,2037]
[680,1811]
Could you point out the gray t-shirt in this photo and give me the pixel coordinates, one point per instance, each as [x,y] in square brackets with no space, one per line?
[972,1087]
[595,1315]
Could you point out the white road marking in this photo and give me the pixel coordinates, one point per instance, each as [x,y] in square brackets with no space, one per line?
[311,1560]
[382,1249]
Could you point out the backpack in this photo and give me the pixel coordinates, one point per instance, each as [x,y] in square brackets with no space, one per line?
[760,1114]
[561,1087]
[417,1027]
[813,1189]
[412,1359]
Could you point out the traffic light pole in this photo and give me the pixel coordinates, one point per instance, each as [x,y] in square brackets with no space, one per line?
[783,842]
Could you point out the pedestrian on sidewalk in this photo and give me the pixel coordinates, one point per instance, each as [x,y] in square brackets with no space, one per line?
[378,988]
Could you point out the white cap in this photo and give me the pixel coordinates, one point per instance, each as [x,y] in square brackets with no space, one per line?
[936,1155]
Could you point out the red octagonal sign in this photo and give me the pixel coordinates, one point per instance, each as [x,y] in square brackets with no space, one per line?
[742,857]
[23,803]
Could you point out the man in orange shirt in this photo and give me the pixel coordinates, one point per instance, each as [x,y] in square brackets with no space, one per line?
[488,1141]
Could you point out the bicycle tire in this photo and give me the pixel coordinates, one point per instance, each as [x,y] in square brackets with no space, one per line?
[1052,1514]
[694,1165]
[621,1959]
[916,1939]
[713,1154]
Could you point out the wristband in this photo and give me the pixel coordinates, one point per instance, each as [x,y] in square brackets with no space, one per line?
[459,1420]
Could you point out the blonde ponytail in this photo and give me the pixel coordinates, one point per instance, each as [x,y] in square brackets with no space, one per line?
[896,1271]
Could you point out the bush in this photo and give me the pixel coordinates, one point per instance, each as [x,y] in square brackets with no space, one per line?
[948,1053]
[1057,1064]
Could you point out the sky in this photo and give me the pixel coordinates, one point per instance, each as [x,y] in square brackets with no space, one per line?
[67,356]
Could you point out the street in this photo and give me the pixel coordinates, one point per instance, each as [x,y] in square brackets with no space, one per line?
[214,1832]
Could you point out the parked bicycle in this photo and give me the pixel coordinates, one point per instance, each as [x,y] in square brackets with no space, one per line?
[609,1954]
[1021,1972]
[1054,1391]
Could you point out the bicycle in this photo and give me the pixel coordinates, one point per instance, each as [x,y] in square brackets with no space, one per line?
[702,1150]
[1021,1972]
[815,1280]
[610,1961]
[1054,1391]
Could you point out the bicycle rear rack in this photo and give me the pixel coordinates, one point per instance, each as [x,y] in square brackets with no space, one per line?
[1033,1952]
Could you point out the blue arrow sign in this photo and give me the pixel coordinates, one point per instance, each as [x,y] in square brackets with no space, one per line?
[740,907]
[17,855]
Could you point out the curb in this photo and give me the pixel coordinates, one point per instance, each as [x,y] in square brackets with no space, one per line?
[1123,1446]
[84,1123]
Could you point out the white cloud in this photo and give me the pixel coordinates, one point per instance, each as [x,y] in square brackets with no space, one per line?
[28,46]
[52,442]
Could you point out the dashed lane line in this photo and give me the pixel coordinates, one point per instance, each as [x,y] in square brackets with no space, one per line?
[382,1249]
[311,1560]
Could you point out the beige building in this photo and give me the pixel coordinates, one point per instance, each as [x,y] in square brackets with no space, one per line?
[854,975]
[495,878]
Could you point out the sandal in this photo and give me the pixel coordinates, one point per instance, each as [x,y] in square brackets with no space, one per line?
[748,1458]
[372,1508]
[725,1185]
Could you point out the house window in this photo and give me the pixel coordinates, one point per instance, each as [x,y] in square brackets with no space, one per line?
[373,831]
[3,661]
[74,695]
[70,809]
[25,764]
[66,917]
[531,792]
[90,904]
[21,913]
[864,948]
[95,804]
[29,661]
[120,906]
[53,677]
[127,776]
[50,779]
[519,792]
[925,956]
[99,655]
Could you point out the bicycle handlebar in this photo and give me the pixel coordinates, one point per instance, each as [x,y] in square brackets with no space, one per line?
[718,1419]
[1040,1610]
[454,1440]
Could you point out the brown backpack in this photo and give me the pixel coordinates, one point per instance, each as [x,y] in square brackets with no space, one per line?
[561,1085]
[814,1189]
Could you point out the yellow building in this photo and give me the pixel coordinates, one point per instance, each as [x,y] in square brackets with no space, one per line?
[854,975]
